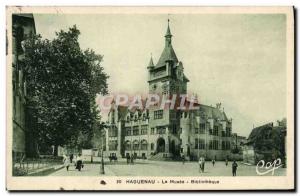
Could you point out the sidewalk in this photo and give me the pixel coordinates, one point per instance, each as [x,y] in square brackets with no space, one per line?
[90,169]
[45,171]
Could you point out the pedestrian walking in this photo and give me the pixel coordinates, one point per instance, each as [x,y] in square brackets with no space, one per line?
[128,158]
[183,159]
[226,162]
[79,162]
[234,168]
[71,158]
[131,159]
[213,162]
[202,164]
[66,162]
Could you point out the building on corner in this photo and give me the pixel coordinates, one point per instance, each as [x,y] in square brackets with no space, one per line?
[23,26]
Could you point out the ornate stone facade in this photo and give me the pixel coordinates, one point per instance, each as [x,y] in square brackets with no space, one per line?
[168,133]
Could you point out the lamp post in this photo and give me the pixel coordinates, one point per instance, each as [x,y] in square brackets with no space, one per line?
[206,132]
[198,142]
[102,148]
[102,163]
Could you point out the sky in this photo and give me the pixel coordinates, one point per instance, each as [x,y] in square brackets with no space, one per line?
[236,59]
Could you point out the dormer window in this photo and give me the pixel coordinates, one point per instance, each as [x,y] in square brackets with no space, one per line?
[144,117]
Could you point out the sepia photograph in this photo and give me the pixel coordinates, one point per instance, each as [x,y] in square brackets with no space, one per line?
[167,98]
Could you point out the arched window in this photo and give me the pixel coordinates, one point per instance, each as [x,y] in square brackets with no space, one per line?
[127,145]
[136,145]
[144,145]
[152,146]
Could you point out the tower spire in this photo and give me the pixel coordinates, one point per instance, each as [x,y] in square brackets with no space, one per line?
[151,64]
[168,36]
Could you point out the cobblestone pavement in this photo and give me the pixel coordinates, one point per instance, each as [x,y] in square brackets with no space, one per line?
[162,168]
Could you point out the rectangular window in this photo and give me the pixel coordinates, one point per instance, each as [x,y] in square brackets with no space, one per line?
[135,130]
[196,130]
[201,144]
[223,134]
[216,129]
[113,145]
[128,131]
[144,129]
[228,131]
[113,131]
[152,131]
[214,145]
[158,114]
[161,130]
[174,129]
[202,128]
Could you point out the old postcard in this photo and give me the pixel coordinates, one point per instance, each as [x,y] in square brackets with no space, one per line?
[150,98]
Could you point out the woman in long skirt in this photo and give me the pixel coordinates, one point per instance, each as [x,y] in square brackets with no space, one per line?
[66,161]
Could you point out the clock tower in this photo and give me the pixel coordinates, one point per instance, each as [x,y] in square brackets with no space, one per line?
[166,78]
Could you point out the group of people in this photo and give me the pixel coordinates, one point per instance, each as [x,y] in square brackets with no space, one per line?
[130,159]
[68,160]
[213,161]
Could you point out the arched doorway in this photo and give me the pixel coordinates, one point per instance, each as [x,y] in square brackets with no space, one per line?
[160,145]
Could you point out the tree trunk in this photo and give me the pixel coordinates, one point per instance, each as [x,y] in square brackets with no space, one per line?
[55,153]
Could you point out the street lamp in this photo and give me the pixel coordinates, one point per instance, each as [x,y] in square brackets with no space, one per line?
[102,148]
[102,163]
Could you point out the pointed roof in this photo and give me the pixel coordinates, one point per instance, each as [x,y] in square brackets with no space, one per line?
[151,64]
[168,53]
[168,33]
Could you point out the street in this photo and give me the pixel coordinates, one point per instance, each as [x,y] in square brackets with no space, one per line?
[162,168]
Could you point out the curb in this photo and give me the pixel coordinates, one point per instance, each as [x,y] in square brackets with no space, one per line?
[45,171]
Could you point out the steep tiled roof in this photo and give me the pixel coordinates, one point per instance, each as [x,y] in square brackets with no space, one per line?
[212,112]
[168,54]
[256,132]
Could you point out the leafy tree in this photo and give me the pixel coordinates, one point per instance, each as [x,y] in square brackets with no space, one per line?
[63,82]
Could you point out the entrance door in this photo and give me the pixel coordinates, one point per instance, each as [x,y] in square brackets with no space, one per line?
[160,145]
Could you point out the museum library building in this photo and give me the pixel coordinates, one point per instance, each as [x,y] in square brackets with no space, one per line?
[168,133]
